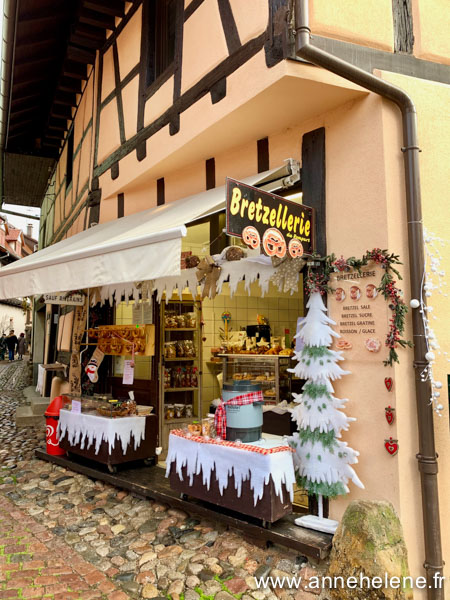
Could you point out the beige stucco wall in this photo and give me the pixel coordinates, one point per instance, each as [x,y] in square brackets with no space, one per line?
[432,102]
[365,22]
[431,20]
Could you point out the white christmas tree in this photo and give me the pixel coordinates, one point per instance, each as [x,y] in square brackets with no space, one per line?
[322,462]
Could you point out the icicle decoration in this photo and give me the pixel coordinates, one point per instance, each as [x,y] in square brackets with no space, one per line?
[85,429]
[251,269]
[433,279]
[227,460]
[187,279]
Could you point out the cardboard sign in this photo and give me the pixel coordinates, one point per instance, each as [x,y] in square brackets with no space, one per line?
[361,314]
[64,299]
[281,226]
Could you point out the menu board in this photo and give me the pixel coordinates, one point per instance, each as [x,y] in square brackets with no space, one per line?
[361,314]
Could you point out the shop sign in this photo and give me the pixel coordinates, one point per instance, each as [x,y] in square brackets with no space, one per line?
[360,313]
[281,226]
[64,299]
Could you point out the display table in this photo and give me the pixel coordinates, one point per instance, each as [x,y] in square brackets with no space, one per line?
[255,479]
[106,440]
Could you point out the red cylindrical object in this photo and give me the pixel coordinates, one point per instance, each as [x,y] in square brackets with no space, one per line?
[51,430]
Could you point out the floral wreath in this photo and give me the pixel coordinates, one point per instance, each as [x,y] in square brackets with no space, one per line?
[317,280]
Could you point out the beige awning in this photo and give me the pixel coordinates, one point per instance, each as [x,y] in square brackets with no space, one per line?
[142,246]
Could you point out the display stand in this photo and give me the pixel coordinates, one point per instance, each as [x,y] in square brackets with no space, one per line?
[184,398]
[254,479]
[76,444]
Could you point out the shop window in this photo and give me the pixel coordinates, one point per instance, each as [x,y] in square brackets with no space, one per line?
[69,164]
[161,37]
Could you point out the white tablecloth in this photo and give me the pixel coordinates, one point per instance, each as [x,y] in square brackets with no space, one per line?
[273,460]
[85,429]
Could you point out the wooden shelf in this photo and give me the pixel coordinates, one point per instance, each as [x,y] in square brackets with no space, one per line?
[181,389]
[181,420]
[180,329]
[180,358]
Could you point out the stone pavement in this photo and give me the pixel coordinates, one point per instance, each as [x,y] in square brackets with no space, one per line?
[34,563]
[96,539]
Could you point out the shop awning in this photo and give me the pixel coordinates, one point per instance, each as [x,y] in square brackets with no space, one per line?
[142,246]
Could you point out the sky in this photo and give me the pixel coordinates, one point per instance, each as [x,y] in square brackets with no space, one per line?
[20,222]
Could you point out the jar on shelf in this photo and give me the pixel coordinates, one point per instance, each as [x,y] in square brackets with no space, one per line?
[167,378]
[188,411]
[194,377]
[179,411]
[170,349]
[170,411]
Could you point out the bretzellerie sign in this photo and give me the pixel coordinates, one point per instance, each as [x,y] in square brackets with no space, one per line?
[360,313]
[280,226]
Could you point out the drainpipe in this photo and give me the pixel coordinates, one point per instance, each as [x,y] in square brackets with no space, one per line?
[427,457]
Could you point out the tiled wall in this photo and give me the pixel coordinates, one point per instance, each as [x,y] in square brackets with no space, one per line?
[282,311]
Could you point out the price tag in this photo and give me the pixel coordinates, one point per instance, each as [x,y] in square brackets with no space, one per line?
[76,406]
[128,372]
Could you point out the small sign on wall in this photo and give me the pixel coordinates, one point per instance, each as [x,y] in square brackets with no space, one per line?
[360,313]
[64,299]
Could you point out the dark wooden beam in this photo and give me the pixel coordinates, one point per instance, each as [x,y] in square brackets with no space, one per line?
[20,111]
[34,80]
[91,32]
[115,8]
[74,70]
[19,126]
[66,84]
[65,98]
[30,99]
[57,124]
[60,111]
[313,183]
[37,59]
[85,42]
[79,55]
[96,19]
[54,136]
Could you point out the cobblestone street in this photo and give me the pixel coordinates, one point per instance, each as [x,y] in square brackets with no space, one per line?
[66,536]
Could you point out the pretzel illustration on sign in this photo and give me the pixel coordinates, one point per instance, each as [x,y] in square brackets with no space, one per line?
[274,243]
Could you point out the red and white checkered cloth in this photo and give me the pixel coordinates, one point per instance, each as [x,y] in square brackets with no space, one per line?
[220,417]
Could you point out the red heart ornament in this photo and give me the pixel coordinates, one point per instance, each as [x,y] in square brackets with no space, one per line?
[390,414]
[388,382]
[391,446]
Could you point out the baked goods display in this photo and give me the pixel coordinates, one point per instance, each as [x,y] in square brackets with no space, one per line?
[117,408]
[124,340]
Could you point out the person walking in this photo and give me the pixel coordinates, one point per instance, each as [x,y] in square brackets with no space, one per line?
[21,346]
[2,346]
[11,342]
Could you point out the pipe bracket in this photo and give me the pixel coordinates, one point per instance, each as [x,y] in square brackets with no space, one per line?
[427,464]
[420,364]
[406,148]
[433,567]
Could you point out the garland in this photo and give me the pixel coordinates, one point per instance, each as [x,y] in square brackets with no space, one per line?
[317,280]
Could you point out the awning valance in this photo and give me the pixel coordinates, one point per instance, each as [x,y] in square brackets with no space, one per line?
[142,246]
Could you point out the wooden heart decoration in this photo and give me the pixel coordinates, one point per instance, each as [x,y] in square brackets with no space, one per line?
[391,446]
[390,414]
[388,382]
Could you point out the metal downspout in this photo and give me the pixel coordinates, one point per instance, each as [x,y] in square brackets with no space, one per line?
[427,457]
